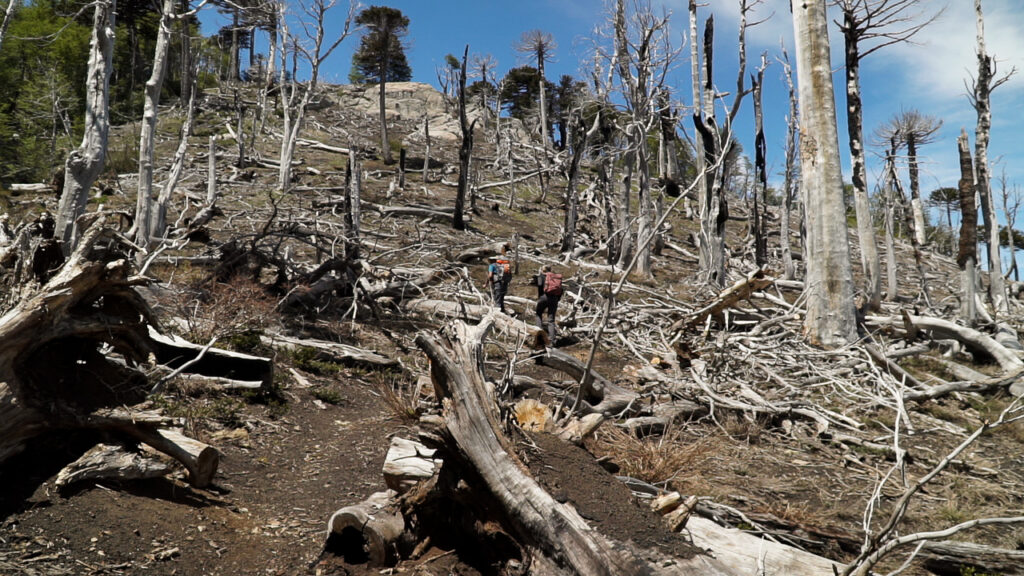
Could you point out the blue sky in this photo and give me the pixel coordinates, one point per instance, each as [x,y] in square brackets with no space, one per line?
[928,75]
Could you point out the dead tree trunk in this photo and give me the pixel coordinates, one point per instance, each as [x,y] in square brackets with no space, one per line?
[465,150]
[967,255]
[144,202]
[789,182]
[159,227]
[981,99]
[830,317]
[760,170]
[86,162]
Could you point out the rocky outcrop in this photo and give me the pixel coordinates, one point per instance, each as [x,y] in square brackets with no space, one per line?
[415,101]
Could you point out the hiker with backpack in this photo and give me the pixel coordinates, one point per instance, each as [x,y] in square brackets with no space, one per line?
[499,274]
[549,292]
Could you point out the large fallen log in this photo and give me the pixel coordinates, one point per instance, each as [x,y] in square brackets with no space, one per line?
[75,348]
[557,538]
[972,339]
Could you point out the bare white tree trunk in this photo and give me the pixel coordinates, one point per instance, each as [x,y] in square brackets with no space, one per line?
[159,227]
[211,173]
[789,182]
[317,14]
[86,162]
[981,99]
[144,202]
[831,319]
[12,5]
[862,206]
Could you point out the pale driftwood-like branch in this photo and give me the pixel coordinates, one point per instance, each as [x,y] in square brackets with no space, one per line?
[741,290]
[111,462]
[969,337]
[333,351]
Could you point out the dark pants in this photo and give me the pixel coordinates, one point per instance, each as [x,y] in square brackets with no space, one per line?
[498,291]
[550,304]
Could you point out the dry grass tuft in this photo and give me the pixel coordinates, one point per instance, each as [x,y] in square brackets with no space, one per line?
[224,310]
[659,460]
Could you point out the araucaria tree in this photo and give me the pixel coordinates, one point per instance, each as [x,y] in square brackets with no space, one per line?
[381,58]
[541,46]
[882,23]
[910,128]
[831,318]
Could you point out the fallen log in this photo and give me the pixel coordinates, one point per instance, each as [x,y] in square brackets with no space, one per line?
[69,352]
[111,462]
[741,290]
[173,352]
[949,558]
[330,351]
[482,252]
[367,531]
[558,540]
[972,339]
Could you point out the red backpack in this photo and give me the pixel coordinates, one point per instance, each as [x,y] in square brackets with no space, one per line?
[552,284]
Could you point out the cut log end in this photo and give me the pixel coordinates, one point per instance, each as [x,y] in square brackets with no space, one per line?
[366,532]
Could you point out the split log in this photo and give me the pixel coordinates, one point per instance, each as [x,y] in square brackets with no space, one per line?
[111,462]
[407,463]
[367,531]
[972,339]
[331,351]
[173,352]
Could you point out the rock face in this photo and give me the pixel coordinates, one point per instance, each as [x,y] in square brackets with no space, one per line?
[414,101]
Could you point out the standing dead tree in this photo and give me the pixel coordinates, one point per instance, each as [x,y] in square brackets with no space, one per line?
[313,50]
[465,149]
[980,96]
[714,204]
[967,256]
[86,162]
[790,176]
[882,23]
[641,58]
[830,319]
[144,220]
